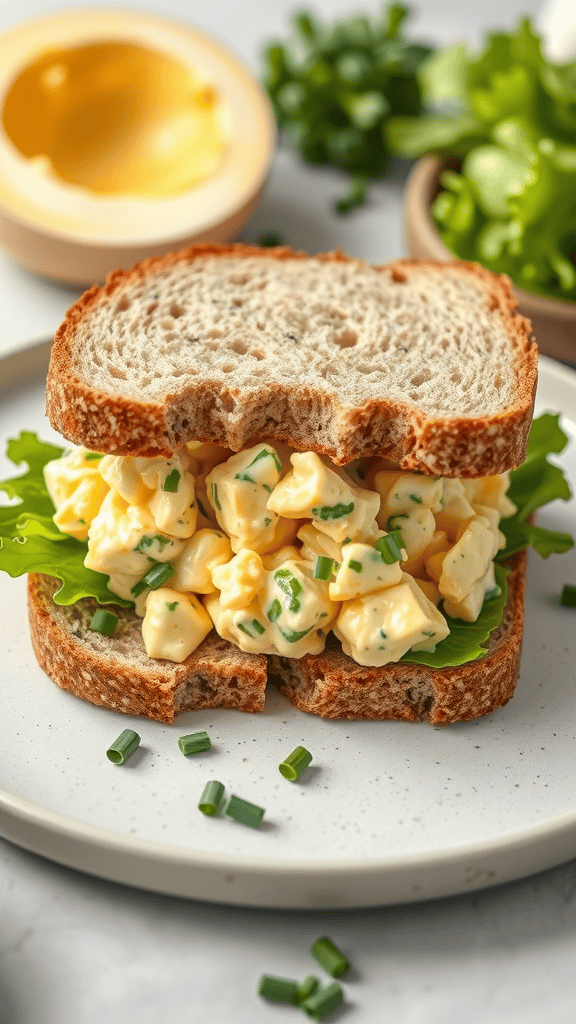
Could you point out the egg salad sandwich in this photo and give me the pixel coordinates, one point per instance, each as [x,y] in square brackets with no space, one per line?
[291,466]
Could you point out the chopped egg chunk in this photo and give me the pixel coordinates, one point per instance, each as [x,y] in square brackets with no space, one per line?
[336,506]
[468,561]
[238,491]
[380,627]
[404,492]
[362,571]
[193,567]
[469,607]
[240,579]
[174,625]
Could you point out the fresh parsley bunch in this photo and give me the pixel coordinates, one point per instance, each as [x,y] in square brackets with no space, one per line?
[333,88]
[507,117]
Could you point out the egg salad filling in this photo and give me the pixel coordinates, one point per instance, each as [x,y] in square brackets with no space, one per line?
[275,548]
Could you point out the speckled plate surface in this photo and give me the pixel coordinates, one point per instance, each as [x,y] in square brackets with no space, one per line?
[389,811]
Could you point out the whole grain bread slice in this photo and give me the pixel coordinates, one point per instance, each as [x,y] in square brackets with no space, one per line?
[334,686]
[424,363]
[115,672]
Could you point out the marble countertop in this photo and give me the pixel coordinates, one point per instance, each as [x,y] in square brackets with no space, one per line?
[77,950]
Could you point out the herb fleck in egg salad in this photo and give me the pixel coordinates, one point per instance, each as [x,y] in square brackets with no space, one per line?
[275,548]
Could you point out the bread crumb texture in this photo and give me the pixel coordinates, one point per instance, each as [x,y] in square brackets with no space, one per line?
[326,353]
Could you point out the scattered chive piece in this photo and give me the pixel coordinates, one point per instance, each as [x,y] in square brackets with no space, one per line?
[324,568]
[211,799]
[271,239]
[354,565]
[307,988]
[329,957]
[296,762]
[104,622]
[93,456]
[171,482]
[279,990]
[154,578]
[568,596]
[243,811]
[119,751]
[390,548]
[194,743]
[322,1003]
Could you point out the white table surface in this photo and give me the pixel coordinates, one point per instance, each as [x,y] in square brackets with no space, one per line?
[76,950]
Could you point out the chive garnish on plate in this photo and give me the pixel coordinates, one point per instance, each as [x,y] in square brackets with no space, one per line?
[323,1002]
[243,811]
[194,743]
[324,568]
[211,800]
[329,957]
[296,762]
[568,596]
[122,748]
[278,990]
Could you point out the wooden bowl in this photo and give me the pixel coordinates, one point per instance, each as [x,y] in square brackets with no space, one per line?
[553,320]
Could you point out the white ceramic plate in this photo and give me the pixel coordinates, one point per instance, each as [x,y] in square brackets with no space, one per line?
[389,811]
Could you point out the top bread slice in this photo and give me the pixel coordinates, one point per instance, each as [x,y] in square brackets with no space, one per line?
[427,364]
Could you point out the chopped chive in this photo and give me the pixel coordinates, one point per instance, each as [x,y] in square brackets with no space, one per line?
[279,990]
[201,508]
[568,595]
[148,539]
[383,634]
[307,988]
[154,578]
[215,496]
[324,512]
[354,565]
[243,811]
[172,605]
[194,743]
[255,625]
[104,622]
[346,540]
[211,799]
[119,751]
[171,482]
[267,453]
[274,610]
[389,548]
[416,498]
[245,477]
[293,635]
[296,762]
[329,957]
[290,586]
[270,239]
[322,1003]
[93,456]
[324,568]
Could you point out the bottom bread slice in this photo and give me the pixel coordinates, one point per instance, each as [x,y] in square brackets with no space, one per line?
[115,672]
[333,686]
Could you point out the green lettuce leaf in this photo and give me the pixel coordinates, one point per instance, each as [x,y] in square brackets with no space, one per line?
[534,484]
[29,539]
[466,640]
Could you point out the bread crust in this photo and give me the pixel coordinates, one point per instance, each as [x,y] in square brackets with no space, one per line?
[396,430]
[333,686]
[114,672]
[218,674]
